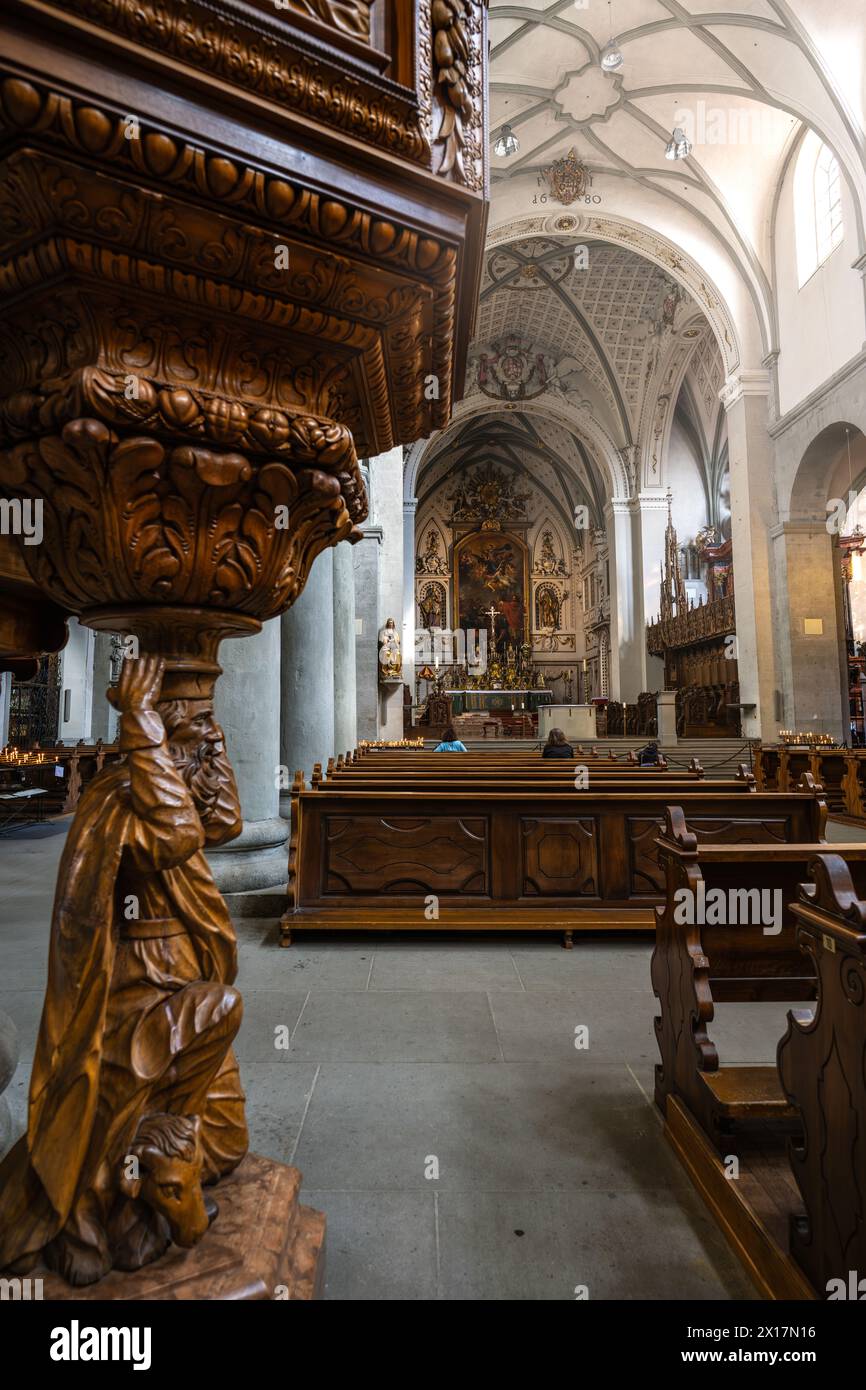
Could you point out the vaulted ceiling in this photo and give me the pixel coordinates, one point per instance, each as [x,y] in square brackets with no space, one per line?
[559,464]
[747,74]
[606,325]
[616,338]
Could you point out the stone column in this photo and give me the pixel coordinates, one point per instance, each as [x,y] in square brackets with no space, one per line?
[812,660]
[753,516]
[410,506]
[76,685]
[345,681]
[307,673]
[387,472]
[627,634]
[653,521]
[247,705]
[365,563]
[5,705]
[104,716]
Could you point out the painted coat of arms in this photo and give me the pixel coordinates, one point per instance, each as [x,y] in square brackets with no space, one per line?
[567,178]
[511,371]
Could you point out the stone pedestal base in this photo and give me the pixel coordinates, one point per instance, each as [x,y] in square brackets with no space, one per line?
[262,1245]
[257,859]
[666,706]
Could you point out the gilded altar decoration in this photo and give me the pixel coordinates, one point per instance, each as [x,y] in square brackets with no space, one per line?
[431,605]
[548,562]
[390,656]
[567,178]
[548,607]
[432,561]
[489,496]
[511,371]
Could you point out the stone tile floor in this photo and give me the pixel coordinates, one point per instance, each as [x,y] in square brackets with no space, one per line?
[431,1092]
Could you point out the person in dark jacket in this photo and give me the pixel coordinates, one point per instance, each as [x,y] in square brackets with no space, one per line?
[557,746]
[648,756]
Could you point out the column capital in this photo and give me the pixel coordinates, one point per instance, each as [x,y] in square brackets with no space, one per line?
[619,506]
[410,506]
[655,500]
[801,527]
[748,382]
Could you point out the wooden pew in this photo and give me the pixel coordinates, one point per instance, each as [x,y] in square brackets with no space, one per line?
[551,784]
[504,860]
[696,966]
[822,1066]
[734,1126]
[79,763]
[841,772]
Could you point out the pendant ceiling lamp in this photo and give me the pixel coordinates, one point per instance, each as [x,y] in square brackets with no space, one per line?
[678,147]
[611,57]
[507,143]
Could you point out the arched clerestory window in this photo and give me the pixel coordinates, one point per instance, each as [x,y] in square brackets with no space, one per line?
[818,221]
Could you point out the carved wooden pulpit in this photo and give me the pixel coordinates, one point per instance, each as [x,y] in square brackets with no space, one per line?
[240,247]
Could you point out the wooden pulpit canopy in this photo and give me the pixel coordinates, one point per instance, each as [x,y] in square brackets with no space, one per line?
[226,218]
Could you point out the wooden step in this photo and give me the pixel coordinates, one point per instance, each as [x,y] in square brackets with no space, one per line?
[481,918]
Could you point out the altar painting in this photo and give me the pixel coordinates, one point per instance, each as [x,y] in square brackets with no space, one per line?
[491,569]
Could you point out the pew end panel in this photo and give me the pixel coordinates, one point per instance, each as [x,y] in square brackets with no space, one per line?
[822,1066]
[726,932]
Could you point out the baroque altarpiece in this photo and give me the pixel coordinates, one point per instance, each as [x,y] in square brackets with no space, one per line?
[497,565]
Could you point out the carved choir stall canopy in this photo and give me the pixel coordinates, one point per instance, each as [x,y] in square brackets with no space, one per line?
[238,246]
[697,641]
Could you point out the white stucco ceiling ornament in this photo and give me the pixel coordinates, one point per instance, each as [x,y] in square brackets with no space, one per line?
[589,94]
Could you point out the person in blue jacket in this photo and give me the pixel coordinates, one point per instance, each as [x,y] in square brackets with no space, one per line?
[450,742]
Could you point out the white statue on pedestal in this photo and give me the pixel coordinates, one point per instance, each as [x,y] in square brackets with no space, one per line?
[390,658]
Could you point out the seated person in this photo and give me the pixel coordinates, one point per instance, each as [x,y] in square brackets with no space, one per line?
[649,755]
[450,742]
[557,746]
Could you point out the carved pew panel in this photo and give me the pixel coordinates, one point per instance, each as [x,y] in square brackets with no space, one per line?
[822,1067]
[695,964]
[405,854]
[559,856]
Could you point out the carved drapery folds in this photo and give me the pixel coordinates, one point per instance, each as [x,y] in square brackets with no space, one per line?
[352,16]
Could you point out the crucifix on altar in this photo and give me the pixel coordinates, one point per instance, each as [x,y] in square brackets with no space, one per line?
[492,613]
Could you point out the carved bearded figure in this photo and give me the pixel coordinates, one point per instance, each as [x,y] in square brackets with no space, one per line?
[140,1010]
